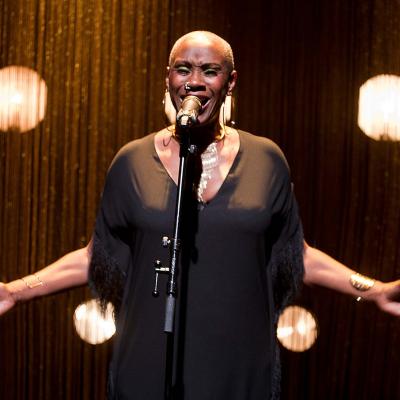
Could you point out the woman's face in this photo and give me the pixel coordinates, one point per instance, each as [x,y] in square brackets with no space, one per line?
[203,66]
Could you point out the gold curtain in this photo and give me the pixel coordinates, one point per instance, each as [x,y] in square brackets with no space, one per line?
[300,65]
[299,85]
[104,64]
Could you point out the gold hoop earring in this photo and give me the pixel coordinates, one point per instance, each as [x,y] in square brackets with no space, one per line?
[225,113]
[169,108]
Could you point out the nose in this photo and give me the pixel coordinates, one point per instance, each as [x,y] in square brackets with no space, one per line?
[195,84]
[192,86]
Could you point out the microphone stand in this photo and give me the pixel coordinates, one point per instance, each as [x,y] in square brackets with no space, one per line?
[175,247]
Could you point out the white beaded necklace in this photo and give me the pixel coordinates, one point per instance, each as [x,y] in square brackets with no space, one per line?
[209,160]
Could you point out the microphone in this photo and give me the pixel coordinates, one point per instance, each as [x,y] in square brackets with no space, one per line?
[189,111]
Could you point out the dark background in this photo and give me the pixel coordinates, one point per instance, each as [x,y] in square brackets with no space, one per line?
[300,65]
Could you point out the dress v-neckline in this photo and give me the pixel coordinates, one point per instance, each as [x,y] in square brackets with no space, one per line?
[225,179]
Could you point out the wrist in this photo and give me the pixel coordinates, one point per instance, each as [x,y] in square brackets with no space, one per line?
[364,287]
[373,293]
[25,288]
[16,289]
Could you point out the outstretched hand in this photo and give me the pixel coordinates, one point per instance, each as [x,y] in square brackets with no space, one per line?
[388,297]
[6,300]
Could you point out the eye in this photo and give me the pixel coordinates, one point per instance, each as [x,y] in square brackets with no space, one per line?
[210,72]
[182,70]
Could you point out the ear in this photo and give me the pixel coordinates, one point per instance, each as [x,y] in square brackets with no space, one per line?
[232,80]
[167,79]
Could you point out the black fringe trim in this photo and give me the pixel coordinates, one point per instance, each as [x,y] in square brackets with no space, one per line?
[287,269]
[106,278]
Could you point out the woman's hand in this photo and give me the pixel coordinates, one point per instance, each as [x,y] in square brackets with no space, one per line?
[6,299]
[387,297]
[67,272]
[323,270]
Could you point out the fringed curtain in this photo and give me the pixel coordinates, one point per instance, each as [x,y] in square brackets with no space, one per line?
[300,66]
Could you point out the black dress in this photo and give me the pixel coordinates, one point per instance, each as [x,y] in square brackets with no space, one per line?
[241,261]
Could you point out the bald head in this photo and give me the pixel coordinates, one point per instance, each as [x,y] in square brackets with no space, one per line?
[205,38]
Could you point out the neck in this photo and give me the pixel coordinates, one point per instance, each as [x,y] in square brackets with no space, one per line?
[203,135]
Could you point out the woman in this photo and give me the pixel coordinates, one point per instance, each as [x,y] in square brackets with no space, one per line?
[243,249]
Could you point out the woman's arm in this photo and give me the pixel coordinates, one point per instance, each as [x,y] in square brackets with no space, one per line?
[323,270]
[69,271]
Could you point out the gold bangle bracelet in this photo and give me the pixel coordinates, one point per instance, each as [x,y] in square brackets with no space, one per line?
[361,282]
[32,281]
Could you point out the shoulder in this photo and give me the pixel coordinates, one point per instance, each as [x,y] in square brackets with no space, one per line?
[134,151]
[263,149]
[131,155]
[136,147]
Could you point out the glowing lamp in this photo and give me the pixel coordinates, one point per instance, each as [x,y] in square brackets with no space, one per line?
[91,325]
[23,96]
[297,329]
[379,107]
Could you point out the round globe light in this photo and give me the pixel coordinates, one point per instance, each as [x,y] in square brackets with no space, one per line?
[379,107]
[297,329]
[23,97]
[91,324]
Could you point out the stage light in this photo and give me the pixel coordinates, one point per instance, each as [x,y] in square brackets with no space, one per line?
[379,107]
[92,326]
[297,329]
[23,97]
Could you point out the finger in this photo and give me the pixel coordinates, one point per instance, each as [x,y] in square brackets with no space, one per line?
[392,308]
[5,306]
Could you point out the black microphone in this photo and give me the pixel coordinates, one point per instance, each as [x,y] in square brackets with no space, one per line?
[189,111]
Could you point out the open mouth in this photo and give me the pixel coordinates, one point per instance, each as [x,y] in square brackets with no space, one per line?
[204,100]
[204,104]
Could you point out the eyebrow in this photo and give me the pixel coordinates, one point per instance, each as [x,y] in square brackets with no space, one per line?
[203,66]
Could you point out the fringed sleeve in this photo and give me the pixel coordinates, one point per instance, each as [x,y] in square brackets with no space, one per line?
[112,239]
[286,245]
[287,270]
[106,277]
[286,264]
[287,276]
